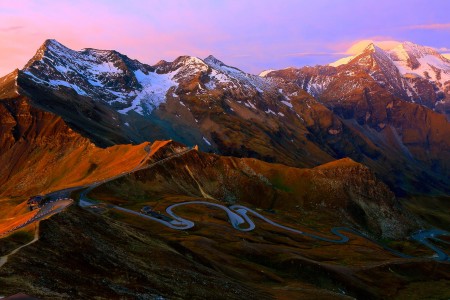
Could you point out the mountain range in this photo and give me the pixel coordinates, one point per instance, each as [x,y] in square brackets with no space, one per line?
[385,109]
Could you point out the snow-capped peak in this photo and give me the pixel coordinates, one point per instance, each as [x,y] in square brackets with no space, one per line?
[54,44]
[105,75]
[183,65]
[402,52]
[406,69]
[223,73]
[49,46]
[265,72]
[409,53]
[213,60]
[372,48]
[342,61]
[421,61]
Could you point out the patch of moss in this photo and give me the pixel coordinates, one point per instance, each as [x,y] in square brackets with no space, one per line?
[278,183]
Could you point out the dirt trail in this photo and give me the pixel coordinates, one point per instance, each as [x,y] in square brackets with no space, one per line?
[4,259]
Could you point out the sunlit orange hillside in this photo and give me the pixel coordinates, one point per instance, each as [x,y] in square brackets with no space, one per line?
[42,154]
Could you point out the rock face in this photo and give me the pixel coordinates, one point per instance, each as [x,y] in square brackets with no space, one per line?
[298,117]
[40,152]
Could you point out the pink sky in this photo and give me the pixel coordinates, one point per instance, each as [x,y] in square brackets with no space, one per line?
[253,35]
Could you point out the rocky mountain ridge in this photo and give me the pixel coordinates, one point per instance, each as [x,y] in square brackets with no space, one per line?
[412,72]
[299,117]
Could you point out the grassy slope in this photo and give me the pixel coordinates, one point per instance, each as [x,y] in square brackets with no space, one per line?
[93,256]
[284,264]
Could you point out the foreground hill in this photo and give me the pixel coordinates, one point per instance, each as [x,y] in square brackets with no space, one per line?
[116,254]
[83,255]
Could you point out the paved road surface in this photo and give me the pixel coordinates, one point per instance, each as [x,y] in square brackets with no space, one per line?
[44,212]
[238,216]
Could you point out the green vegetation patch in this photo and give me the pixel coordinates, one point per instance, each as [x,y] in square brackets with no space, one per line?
[278,182]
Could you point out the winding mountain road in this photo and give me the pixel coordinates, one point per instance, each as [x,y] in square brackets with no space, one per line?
[238,216]
[46,211]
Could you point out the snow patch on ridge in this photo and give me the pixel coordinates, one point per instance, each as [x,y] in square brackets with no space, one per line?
[154,90]
[206,141]
[264,73]
[428,66]
[224,74]
[342,61]
[288,104]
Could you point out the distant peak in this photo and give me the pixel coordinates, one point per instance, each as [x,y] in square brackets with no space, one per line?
[162,62]
[408,44]
[212,60]
[189,59]
[406,50]
[211,57]
[265,73]
[185,62]
[372,48]
[49,46]
[52,43]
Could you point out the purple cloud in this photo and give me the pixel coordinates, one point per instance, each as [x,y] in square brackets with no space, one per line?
[439,26]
